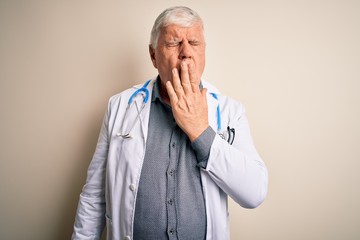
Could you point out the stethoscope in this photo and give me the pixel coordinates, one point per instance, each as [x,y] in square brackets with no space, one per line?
[228,135]
[145,92]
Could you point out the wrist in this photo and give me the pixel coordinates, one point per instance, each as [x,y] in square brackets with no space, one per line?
[193,135]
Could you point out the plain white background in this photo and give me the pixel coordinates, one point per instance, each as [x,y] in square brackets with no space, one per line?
[294,65]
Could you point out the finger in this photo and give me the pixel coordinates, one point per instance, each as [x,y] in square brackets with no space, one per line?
[176,82]
[185,81]
[203,92]
[193,79]
[171,92]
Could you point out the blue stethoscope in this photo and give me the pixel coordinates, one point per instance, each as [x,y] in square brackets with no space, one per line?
[145,92]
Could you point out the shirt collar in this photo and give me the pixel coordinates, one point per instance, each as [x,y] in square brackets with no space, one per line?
[156,91]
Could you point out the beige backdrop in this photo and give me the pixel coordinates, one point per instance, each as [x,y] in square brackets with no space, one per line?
[294,64]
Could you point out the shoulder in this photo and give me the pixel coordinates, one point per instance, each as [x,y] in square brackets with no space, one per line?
[121,95]
[127,93]
[226,103]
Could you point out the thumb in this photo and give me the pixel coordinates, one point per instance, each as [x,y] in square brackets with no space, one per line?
[203,92]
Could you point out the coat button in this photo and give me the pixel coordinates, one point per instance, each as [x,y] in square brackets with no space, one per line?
[127,238]
[132,187]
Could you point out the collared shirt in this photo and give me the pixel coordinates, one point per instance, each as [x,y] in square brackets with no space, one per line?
[170,202]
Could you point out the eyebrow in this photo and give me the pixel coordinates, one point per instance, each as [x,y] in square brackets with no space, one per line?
[173,39]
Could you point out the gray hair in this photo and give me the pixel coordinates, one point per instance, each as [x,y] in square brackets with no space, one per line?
[179,15]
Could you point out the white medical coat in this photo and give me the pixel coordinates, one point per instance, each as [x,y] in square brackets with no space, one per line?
[109,194]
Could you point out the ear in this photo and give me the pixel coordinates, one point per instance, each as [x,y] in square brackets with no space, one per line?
[152,55]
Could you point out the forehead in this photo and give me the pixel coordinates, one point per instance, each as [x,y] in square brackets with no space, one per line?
[177,31]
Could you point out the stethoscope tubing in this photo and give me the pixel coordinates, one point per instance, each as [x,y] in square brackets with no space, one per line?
[145,92]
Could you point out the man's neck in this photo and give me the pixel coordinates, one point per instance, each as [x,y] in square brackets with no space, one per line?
[164,94]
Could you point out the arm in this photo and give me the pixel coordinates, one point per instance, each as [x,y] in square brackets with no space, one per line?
[90,216]
[238,169]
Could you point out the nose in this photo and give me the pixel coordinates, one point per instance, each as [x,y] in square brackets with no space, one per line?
[185,51]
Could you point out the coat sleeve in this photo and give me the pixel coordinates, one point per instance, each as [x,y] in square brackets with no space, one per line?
[238,169]
[90,215]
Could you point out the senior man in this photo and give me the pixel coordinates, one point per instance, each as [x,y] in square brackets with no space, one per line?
[172,150]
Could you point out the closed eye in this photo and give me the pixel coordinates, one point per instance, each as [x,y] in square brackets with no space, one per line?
[172,44]
[194,43]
